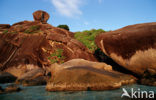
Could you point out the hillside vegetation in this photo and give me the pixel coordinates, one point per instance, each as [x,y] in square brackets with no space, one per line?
[87,37]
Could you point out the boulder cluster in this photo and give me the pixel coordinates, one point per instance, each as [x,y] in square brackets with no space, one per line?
[37,53]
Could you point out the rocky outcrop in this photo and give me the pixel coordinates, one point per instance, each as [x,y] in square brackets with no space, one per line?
[33,77]
[6,77]
[38,44]
[133,47]
[41,16]
[72,76]
[4,28]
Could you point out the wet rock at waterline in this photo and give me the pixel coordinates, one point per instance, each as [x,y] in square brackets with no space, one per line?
[10,88]
[133,47]
[149,77]
[6,77]
[74,77]
[32,78]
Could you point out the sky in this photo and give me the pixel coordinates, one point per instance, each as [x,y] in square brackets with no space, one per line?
[81,15]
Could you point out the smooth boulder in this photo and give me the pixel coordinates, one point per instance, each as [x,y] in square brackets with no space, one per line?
[133,46]
[77,77]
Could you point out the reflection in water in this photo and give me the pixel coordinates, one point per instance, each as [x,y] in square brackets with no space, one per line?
[39,93]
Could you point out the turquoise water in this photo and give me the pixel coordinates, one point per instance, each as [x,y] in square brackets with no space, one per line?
[39,93]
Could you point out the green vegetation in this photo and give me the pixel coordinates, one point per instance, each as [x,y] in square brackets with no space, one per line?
[57,56]
[64,27]
[5,31]
[32,29]
[10,32]
[87,37]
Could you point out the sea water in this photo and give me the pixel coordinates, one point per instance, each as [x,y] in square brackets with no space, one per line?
[39,93]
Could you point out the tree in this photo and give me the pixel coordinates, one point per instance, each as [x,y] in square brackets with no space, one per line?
[64,27]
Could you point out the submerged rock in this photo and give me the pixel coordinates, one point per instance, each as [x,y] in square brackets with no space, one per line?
[133,47]
[76,77]
[12,88]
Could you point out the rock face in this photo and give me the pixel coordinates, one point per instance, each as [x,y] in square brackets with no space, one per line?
[28,44]
[133,47]
[41,16]
[77,77]
[4,28]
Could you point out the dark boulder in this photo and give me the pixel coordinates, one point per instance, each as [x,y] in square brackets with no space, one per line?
[6,77]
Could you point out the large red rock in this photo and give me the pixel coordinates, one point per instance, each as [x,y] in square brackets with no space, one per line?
[34,43]
[41,16]
[133,47]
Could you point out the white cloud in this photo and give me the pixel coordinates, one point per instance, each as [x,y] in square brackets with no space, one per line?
[100,1]
[86,23]
[69,8]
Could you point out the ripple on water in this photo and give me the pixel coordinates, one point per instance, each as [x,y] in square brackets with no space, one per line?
[39,93]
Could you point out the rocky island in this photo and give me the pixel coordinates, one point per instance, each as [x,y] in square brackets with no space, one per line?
[37,53]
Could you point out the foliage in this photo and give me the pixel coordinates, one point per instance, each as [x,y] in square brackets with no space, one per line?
[87,37]
[56,56]
[32,29]
[64,27]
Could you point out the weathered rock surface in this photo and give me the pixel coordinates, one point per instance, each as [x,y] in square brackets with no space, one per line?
[38,44]
[6,77]
[82,62]
[12,88]
[33,77]
[133,47]
[41,16]
[77,77]
[4,28]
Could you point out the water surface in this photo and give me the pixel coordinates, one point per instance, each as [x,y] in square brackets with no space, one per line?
[39,93]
